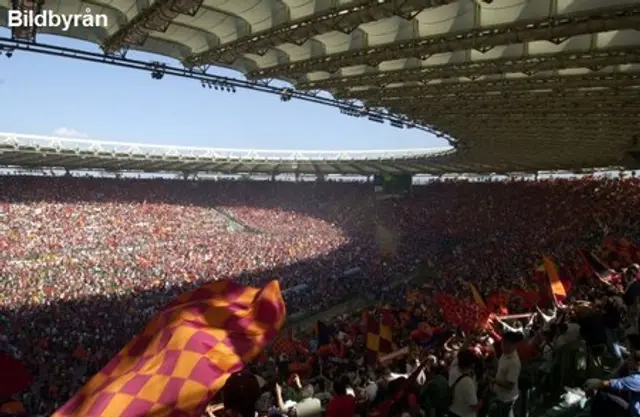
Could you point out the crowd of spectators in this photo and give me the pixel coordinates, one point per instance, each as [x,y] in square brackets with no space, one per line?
[85,262]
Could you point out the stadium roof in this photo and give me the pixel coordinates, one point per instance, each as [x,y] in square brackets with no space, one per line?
[522,85]
[55,152]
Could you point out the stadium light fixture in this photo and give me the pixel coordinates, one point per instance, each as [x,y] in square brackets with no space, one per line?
[7,51]
[218,86]
[157,70]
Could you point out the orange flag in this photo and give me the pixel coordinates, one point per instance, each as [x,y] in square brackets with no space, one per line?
[184,355]
[557,288]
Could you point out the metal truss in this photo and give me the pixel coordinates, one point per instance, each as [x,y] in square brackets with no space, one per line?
[556,28]
[508,120]
[447,116]
[609,80]
[509,98]
[352,108]
[157,17]
[477,127]
[539,116]
[509,106]
[530,65]
[343,18]
[26,32]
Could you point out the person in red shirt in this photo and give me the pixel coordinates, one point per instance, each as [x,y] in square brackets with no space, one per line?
[342,404]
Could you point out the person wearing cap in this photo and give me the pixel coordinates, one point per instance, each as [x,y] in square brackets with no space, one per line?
[505,383]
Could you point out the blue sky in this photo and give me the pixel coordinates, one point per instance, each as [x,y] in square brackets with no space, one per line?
[46,95]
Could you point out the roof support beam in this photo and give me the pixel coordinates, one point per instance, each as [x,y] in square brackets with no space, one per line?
[337,169]
[611,80]
[316,169]
[556,27]
[384,168]
[594,109]
[423,167]
[402,167]
[527,64]
[367,167]
[509,98]
[156,17]
[344,18]
[357,168]
[486,119]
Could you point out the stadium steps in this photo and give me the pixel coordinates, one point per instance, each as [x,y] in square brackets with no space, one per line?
[235,225]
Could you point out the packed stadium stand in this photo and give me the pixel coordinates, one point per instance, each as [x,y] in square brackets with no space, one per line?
[86,262]
[130,296]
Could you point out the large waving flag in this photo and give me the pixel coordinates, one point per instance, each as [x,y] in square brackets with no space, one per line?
[184,355]
[557,287]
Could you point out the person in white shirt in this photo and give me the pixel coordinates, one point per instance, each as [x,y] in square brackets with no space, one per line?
[505,384]
[309,406]
[464,390]
[371,390]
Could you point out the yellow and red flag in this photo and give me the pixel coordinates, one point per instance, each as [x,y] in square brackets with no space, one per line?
[379,336]
[184,355]
[557,287]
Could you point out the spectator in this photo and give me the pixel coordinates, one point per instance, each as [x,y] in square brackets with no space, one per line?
[567,333]
[240,394]
[505,384]
[462,383]
[342,404]
[611,402]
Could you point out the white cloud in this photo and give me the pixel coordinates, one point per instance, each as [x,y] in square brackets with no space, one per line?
[69,133]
